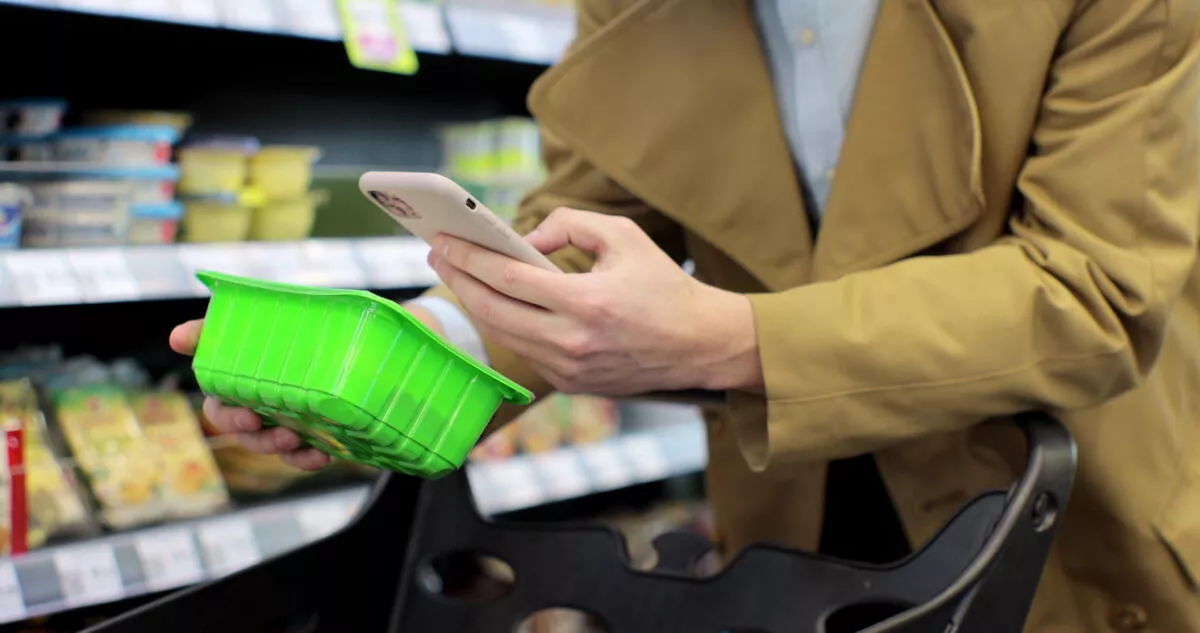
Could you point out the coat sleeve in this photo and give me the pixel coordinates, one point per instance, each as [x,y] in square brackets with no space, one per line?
[575,183]
[1067,310]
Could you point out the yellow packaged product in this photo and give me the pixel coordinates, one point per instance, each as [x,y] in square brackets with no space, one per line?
[542,428]
[592,419]
[112,453]
[52,497]
[191,483]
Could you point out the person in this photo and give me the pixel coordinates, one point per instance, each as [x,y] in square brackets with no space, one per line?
[906,217]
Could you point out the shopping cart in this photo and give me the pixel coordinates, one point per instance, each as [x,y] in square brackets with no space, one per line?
[978,575]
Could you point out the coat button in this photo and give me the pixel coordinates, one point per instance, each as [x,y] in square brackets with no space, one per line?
[1129,619]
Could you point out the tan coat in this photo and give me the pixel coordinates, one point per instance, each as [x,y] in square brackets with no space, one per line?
[1013,226]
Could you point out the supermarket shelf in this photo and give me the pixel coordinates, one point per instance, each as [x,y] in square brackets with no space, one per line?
[527,481]
[156,559]
[41,277]
[125,565]
[530,34]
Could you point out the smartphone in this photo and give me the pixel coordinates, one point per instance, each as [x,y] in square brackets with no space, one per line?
[427,205]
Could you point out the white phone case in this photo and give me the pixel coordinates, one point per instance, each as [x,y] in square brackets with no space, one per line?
[427,205]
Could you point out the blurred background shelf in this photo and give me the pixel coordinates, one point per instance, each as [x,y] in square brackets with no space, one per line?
[515,31]
[68,276]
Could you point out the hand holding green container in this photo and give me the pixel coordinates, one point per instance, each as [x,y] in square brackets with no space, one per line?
[354,374]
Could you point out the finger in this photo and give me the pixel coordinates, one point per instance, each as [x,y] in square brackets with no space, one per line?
[504,274]
[269,441]
[185,337]
[496,310]
[306,459]
[599,234]
[228,419]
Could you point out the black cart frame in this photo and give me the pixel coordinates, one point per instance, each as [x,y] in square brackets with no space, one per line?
[978,575]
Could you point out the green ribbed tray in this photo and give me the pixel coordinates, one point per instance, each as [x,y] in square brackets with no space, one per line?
[354,374]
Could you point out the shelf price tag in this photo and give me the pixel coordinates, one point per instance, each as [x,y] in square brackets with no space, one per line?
[375,37]
[248,15]
[425,27]
[314,18]
[229,544]
[42,278]
[561,474]
[12,603]
[280,262]
[197,12]
[103,274]
[92,6]
[524,38]
[607,468]
[395,263]
[510,485]
[218,258]
[644,455]
[169,558]
[151,9]
[333,263]
[323,517]
[88,574]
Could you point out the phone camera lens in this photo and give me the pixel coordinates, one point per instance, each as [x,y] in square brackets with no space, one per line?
[471,204]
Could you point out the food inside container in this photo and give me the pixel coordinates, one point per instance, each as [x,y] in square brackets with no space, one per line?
[13,200]
[287,219]
[215,166]
[116,145]
[283,172]
[216,219]
[76,213]
[178,121]
[31,117]
[154,223]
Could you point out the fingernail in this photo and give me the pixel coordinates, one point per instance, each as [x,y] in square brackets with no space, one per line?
[246,421]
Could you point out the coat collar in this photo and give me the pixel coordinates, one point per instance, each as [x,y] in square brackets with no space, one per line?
[673,100]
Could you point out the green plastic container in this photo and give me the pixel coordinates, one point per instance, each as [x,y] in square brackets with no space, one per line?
[354,374]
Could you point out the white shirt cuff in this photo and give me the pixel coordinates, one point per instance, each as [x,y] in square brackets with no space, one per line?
[459,329]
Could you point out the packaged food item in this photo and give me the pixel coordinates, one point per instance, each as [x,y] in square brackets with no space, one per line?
[217,218]
[113,454]
[215,166]
[154,223]
[191,483]
[592,419]
[286,220]
[542,428]
[178,121]
[31,117]
[12,200]
[500,445]
[76,213]
[518,148]
[52,496]
[246,473]
[132,145]
[283,172]
[149,185]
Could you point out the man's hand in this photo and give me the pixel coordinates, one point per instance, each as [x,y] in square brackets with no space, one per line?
[635,323]
[247,425]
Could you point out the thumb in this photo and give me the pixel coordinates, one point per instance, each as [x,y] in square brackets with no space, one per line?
[185,337]
[595,233]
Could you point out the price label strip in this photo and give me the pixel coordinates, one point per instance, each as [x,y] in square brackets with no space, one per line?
[523,38]
[511,485]
[103,274]
[222,259]
[314,18]
[561,474]
[169,558]
[374,34]
[229,545]
[604,463]
[645,457]
[203,12]
[332,263]
[88,574]
[43,278]
[323,517]
[12,603]
[394,263]
[280,262]
[249,15]
[149,9]
[425,26]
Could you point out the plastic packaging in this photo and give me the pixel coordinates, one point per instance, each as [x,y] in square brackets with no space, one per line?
[191,483]
[31,117]
[353,373]
[76,213]
[13,199]
[150,185]
[286,219]
[154,223]
[178,121]
[283,172]
[215,166]
[116,145]
[216,219]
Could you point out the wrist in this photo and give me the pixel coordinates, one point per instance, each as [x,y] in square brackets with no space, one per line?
[732,359]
